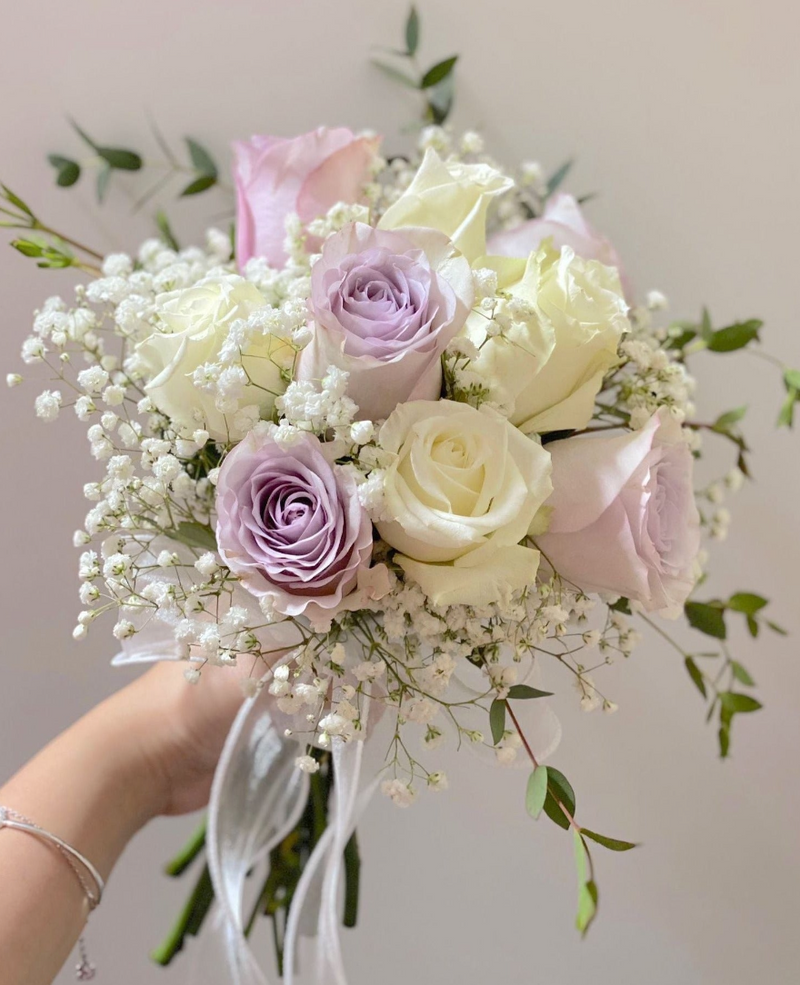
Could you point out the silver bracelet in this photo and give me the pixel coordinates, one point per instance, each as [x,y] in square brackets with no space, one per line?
[80,865]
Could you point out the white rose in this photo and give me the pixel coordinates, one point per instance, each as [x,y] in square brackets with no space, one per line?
[451,197]
[553,356]
[463,489]
[192,324]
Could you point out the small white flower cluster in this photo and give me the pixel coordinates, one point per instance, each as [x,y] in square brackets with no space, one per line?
[652,377]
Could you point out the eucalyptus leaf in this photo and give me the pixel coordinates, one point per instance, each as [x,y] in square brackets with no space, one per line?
[747,602]
[536,792]
[791,379]
[166,230]
[201,159]
[120,159]
[735,336]
[15,200]
[103,178]
[735,703]
[438,72]
[67,170]
[786,415]
[742,674]
[497,719]
[728,419]
[200,184]
[558,176]
[412,32]
[696,675]
[709,619]
[614,844]
[522,692]
[587,890]
[560,790]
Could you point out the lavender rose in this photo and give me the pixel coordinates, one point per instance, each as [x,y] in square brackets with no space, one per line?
[624,519]
[290,525]
[385,304]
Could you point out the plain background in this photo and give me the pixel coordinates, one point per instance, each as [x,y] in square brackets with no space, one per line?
[683,113]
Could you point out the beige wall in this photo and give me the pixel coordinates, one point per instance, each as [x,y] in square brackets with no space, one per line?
[684,114]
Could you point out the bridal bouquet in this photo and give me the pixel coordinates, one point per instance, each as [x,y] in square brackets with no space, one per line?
[406,449]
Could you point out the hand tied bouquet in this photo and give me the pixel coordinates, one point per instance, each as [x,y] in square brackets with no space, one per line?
[399,446]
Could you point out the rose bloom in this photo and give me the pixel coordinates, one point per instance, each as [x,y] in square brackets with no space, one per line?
[462,490]
[624,519]
[552,360]
[565,224]
[191,326]
[385,305]
[307,175]
[451,197]
[290,525]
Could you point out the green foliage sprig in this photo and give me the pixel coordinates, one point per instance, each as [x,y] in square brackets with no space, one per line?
[199,166]
[436,84]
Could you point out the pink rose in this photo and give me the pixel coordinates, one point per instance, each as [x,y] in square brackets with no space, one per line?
[385,303]
[291,526]
[276,176]
[624,518]
[564,222]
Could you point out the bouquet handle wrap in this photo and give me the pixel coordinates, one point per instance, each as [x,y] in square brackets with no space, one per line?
[257,798]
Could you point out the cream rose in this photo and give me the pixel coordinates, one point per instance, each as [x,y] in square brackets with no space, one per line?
[564,320]
[462,491]
[451,197]
[192,325]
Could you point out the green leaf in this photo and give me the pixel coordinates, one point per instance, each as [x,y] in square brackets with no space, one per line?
[742,674]
[559,789]
[786,415]
[728,419]
[536,792]
[557,177]
[776,628]
[440,100]
[724,736]
[622,605]
[709,619]
[522,692]
[438,72]
[68,171]
[683,338]
[747,602]
[395,74]
[194,535]
[412,32]
[614,844]
[706,329]
[121,160]
[735,704]
[587,890]
[166,230]
[201,159]
[201,184]
[16,200]
[27,247]
[696,675]
[791,379]
[103,178]
[497,719]
[734,336]
[752,625]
